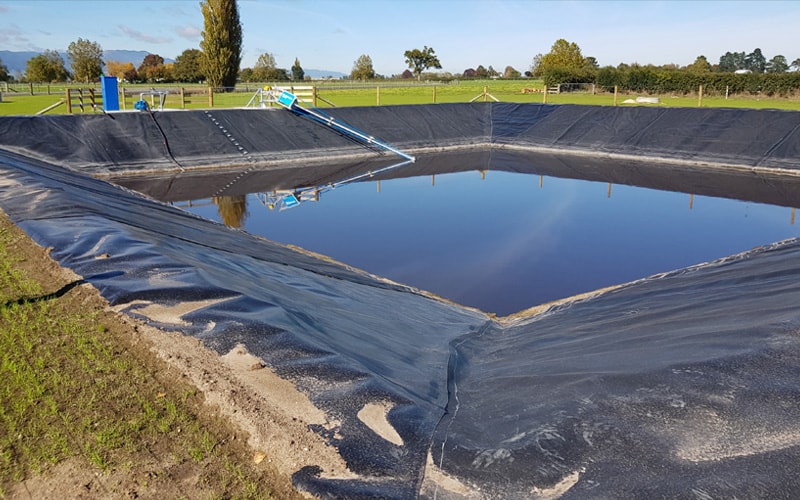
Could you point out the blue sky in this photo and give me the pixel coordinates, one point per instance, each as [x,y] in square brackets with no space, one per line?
[332,34]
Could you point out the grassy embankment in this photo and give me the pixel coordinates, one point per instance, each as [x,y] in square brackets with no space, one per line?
[391,92]
[79,389]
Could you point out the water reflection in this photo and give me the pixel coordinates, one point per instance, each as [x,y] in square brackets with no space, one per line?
[515,235]
[232,210]
[285,199]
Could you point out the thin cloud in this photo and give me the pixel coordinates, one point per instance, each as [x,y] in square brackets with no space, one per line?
[143,37]
[188,32]
[12,35]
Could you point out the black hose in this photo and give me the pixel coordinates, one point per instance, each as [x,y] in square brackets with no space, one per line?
[166,142]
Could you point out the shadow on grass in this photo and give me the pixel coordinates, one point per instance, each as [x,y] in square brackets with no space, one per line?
[61,291]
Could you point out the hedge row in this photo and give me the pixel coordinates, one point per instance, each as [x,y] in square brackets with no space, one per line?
[677,81]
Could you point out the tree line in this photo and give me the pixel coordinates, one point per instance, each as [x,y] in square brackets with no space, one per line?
[218,61]
[736,72]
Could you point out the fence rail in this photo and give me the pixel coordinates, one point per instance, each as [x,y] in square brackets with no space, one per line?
[83,99]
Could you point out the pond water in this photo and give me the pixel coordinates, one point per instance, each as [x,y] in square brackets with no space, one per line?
[504,241]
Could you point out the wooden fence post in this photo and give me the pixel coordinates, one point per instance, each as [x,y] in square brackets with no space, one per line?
[378,95]
[69,102]
[544,95]
[434,94]
[700,96]
[616,90]
[210,97]
[122,97]
[314,95]
[183,99]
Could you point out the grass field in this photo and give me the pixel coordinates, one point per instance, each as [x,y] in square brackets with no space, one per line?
[381,93]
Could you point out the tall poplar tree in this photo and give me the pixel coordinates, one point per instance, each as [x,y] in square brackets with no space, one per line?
[222,42]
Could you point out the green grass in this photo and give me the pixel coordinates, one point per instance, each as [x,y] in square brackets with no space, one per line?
[70,388]
[390,92]
[21,104]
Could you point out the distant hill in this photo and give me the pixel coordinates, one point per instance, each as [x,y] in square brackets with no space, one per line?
[318,74]
[132,56]
[16,61]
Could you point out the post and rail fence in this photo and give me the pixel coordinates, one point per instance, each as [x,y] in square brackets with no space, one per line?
[83,99]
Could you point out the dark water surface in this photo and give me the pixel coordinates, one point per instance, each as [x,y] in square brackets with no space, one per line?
[503,241]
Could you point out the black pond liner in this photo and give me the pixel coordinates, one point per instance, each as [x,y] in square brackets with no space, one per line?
[677,385]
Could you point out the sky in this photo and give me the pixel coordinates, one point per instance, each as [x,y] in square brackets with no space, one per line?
[332,34]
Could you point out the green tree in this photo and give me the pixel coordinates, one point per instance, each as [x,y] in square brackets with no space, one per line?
[732,61]
[3,72]
[700,65]
[222,42]
[565,63]
[266,70]
[563,54]
[420,60]
[777,64]
[755,61]
[796,64]
[297,71]
[87,59]
[266,61]
[536,65]
[247,75]
[46,67]
[280,75]
[362,68]
[188,66]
